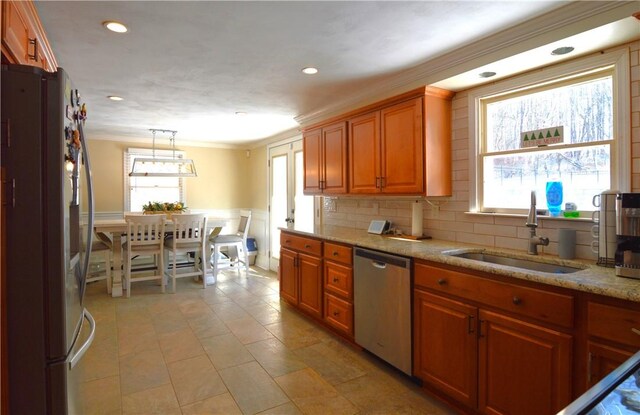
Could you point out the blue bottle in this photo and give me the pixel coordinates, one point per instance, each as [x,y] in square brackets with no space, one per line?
[554,197]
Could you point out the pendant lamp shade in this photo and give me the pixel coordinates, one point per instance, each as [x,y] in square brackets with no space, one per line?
[163,167]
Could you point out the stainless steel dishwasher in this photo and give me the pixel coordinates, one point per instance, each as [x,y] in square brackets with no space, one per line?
[382,303]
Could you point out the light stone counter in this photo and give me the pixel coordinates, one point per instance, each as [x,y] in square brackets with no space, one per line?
[592,279]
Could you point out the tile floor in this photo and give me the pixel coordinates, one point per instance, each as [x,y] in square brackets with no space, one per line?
[233,348]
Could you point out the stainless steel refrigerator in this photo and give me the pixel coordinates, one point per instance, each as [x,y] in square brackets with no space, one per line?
[46,173]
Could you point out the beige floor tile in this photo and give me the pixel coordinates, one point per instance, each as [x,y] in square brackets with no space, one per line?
[207,325]
[332,365]
[169,321]
[248,330]
[137,338]
[217,405]
[101,396]
[160,400]
[193,308]
[263,313]
[195,379]
[179,345]
[229,311]
[141,371]
[289,408]
[212,295]
[312,394]
[292,336]
[252,388]
[225,351]
[275,357]
[100,360]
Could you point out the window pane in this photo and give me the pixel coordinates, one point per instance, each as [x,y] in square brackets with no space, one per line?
[143,195]
[509,179]
[585,110]
[303,203]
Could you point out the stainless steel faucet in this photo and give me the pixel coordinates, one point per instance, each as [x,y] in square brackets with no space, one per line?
[532,224]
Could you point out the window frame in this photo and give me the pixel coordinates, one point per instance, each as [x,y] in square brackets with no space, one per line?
[130,153]
[617,60]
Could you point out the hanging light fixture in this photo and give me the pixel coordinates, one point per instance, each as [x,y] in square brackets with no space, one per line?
[163,167]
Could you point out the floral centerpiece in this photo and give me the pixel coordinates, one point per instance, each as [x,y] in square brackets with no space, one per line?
[166,208]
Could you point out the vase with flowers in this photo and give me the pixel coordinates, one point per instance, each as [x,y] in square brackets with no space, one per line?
[163,208]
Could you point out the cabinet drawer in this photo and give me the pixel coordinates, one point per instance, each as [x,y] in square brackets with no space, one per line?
[338,253]
[301,244]
[614,323]
[338,279]
[531,302]
[338,314]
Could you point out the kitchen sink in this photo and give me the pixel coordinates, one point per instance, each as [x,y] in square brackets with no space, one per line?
[517,262]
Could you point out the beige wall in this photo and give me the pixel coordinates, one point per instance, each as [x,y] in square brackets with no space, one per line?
[222,182]
[451,223]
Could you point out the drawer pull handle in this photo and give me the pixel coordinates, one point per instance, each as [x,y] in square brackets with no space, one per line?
[287,241]
[335,253]
[33,42]
[517,300]
[470,325]
[336,313]
[336,279]
[442,281]
[307,246]
[636,331]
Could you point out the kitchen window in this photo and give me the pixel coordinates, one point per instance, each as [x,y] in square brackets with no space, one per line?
[141,190]
[564,123]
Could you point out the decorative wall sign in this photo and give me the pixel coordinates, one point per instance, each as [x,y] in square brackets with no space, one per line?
[543,137]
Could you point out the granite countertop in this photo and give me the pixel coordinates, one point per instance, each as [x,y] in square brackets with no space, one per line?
[592,278]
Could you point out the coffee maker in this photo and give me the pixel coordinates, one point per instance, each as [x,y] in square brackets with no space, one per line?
[628,235]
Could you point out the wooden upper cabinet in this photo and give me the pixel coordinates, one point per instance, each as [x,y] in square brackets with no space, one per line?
[401,148]
[325,159]
[364,153]
[312,156]
[334,142]
[23,37]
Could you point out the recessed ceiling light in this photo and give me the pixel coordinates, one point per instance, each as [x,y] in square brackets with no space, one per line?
[486,74]
[115,26]
[115,98]
[310,70]
[241,113]
[562,51]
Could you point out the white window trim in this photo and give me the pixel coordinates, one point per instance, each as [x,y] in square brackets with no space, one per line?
[148,152]
[621,149]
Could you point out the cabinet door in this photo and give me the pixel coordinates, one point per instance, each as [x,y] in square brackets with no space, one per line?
[524,369]
[338,279]
[401,139]
[312,153]
[310,275]
[602,360]
[15,33]
[338,314]
[364,153]
[288,276]
[445,345]
[334,152]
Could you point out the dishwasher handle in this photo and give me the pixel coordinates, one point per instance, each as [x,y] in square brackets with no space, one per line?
[380,265]
[382,259]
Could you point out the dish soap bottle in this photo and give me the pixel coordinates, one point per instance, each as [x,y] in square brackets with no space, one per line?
[554,197]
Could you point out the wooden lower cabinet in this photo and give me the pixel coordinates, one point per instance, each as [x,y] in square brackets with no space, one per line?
[602,360]
[445,345]
[338,288]
[301,281]
[489,360]
[310,277]
[522,368]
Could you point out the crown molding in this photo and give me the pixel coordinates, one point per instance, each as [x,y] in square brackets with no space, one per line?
[574,18]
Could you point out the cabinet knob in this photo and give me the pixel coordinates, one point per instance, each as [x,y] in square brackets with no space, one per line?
[335,279]
[336,313]
[442,281]
[287,241]
[307,246]
[335,253]
[516,300]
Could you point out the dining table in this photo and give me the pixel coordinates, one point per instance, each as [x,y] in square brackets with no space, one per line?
[117,228]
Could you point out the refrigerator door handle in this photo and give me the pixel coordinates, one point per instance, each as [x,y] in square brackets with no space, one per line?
[73,360]
[87,167]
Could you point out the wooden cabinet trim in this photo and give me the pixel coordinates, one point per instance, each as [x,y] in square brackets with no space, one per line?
[338,253]
[613,323]
[301,243]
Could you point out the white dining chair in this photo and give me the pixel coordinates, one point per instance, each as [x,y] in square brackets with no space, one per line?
[188,236]
[237,241]
[101,247]
[145,236]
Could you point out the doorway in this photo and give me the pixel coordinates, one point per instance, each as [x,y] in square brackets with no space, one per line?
[288,206]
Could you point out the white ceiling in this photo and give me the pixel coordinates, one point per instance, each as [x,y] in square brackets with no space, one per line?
[191,65]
